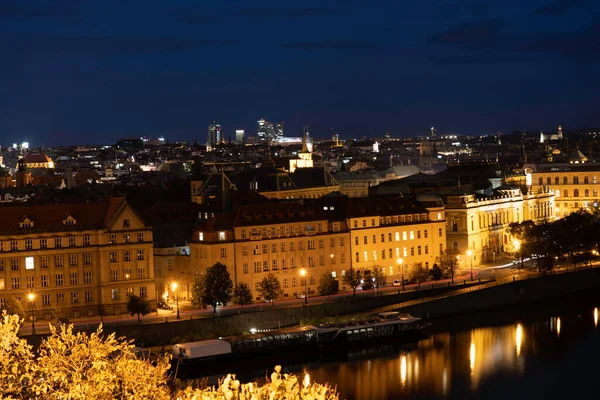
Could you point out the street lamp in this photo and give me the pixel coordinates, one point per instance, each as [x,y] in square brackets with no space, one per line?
[174,288]
[517,245]
[470,254]
[303,275]
[400,261]
[31,296]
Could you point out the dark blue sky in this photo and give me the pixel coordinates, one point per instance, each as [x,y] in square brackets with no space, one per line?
[82,71]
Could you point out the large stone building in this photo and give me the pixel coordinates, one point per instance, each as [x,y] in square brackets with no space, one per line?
[331,235]
[480,223]
[575,185]
[76,259]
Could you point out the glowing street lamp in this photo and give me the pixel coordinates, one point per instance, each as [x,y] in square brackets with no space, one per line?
[470,254]
[174,288]
[303,275]
[31,296]
[517,245]
[400,261]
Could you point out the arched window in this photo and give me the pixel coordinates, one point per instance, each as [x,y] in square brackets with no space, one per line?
[548,181]
[595,192]
[565,192]
[556,180]
[594,180]
[565,180]
[576,193]
[587,193]
[455,246]
[541,181]
[576,180]
[586,180]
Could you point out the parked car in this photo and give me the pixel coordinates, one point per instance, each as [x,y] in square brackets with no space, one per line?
[301,295]
[163,306]
[396,282]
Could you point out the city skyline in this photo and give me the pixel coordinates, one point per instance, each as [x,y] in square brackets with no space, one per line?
[100,71]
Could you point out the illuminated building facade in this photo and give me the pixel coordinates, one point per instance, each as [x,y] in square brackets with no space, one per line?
[76,259]
[383,230]
[575,186]
[38,161]
[480,224]
[279,238]
[304,159]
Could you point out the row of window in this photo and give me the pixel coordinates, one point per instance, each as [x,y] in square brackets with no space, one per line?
[395,220]
[44,261]
[113,256]
[44,280]
[405,236]
[565,180]
[420,250]
[70,241]
[114,274]
[586,193]
[115,293]
[276,231]
[282,247]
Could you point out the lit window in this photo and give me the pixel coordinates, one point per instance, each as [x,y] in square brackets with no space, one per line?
[29,263]
[222,236]
[200,236]
[439,215]
[412,235]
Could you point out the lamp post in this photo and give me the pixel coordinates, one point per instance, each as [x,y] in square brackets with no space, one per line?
[470,254]
[31,296]
[174,288]
[400,261]
[303,275]
[517,245]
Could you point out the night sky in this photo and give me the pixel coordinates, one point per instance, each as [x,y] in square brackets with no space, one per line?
[79,71]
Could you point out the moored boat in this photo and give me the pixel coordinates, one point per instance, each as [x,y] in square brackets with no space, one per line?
[402,327]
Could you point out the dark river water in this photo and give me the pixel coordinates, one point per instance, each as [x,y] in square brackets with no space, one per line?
[547,350]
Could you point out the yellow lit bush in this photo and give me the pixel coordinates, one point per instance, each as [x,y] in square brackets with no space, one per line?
[80,366]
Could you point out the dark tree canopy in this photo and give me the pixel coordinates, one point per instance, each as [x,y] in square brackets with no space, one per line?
[217,286]
[327,284]
[242,294]
[138,305]
[353,278]
[270,288]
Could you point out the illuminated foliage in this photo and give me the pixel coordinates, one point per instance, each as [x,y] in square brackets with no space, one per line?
[280,387]
[16,358]
[79,366]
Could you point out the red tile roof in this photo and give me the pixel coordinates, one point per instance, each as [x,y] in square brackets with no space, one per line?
[50,217]
[36,158]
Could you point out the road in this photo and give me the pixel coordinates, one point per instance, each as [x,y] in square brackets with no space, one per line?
[188,312]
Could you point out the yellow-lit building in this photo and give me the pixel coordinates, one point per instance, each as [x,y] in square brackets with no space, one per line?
[172,264]
[256,240]
[76,259]
[38,161]
[575,185]
[333,237]
[384,230]
[480,224]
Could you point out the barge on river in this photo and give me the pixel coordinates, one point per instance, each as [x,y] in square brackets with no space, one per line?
[294,344]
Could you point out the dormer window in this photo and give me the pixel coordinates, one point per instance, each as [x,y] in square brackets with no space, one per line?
[126,223]
[222,235]
[69,221]
[26,223]
[201,236]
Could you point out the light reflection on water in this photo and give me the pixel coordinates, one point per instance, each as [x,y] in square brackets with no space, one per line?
[469,360]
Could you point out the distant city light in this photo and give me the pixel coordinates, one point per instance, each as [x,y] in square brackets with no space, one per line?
[25,145]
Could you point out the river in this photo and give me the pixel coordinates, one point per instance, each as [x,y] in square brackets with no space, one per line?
[546,350]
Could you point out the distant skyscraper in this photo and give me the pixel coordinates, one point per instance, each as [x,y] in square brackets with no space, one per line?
[239,136]
[265,130]
[279,130]
[215,135]
[261,130]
